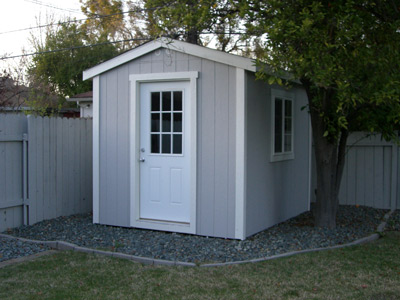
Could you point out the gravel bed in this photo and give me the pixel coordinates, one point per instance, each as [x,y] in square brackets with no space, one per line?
[295,234]
[11,248]
[394,221]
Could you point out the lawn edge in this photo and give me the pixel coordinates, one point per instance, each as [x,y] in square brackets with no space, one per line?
[63,246]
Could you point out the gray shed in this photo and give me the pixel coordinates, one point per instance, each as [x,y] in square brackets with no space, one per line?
[185,139]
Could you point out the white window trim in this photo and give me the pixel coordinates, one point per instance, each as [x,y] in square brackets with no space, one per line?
[135,220]
[285,95]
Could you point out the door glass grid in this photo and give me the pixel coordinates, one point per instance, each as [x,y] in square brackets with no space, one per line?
[166,128]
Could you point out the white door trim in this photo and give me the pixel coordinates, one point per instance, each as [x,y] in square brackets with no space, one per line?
[135,80]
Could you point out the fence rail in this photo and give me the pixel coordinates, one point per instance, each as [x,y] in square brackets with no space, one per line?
[45,168]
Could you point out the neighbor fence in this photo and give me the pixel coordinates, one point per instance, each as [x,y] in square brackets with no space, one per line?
[45,168]
[371,173]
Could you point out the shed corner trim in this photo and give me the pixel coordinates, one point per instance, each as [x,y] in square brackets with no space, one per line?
[240,201]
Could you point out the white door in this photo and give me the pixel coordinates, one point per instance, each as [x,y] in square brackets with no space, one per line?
[165,151]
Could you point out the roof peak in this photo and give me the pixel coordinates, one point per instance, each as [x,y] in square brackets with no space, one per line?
[180,46]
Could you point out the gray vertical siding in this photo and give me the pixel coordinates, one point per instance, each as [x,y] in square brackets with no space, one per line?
[215,139]
[368,171]
[275,191]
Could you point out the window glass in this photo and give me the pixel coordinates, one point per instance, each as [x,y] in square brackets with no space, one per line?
[178,101]
[166,122]
[155,143]
[155,101]
[155,122]
[278,125]
[166,101]
[283,125]
[177,144]
[166,143]
[177,122]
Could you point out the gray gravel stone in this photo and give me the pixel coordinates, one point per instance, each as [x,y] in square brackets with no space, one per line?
[295,234]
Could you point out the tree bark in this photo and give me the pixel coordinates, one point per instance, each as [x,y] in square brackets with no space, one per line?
[330,158]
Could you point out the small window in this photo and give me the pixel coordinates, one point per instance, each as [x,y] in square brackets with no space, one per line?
[282,126]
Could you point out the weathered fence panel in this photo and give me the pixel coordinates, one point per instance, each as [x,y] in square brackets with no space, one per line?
[60,164]
[370,175]
[12,128]
[58,168]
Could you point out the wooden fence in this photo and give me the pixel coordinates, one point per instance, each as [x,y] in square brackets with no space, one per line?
[45,168]
[371,173]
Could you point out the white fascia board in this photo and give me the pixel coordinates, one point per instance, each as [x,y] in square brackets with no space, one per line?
[187,48]
[121,59]
[211,54]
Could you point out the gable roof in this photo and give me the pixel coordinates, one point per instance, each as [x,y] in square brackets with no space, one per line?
[184,47]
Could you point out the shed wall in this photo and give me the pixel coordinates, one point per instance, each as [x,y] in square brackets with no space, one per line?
[275,191]
[216,102]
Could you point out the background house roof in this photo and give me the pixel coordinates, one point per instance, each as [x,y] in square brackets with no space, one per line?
[87,96]
[184,47]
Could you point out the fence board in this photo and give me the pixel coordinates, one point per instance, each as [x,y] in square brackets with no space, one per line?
[12,127]
[32,167]
[59,168]
[369,176]
[52,170]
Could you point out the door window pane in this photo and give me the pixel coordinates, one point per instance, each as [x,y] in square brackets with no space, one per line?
[177,122]
[178,101]
[155,143]
[177,144]
[155,122]
[166,101]
[155,101]
[166,122]
[166,143]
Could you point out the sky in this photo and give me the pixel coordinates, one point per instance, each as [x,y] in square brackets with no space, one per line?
[20,14]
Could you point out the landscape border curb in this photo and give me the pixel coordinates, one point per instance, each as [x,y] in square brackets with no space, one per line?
[62,246]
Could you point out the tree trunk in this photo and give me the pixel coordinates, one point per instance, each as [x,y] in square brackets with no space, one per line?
[330,158]
[193,36]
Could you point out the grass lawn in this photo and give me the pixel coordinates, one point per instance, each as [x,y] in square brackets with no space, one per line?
[369,271]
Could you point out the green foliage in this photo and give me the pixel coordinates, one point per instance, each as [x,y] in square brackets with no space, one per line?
[346,54]
[62,71]
[189,19]
[107,26]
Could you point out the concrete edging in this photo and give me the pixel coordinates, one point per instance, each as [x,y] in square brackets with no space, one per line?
[62,246]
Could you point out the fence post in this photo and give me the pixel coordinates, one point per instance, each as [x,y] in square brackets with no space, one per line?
[393,190]
[25,177]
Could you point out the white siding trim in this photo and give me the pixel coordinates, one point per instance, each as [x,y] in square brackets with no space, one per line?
[135,80]
[96,149]
[195,50]
[240,204]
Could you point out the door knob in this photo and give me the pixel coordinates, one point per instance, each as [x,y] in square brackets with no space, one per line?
[141,159]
